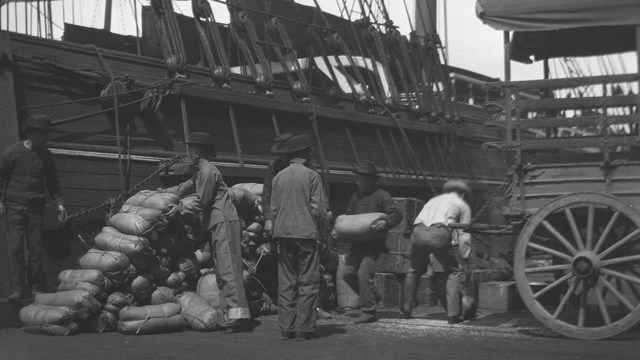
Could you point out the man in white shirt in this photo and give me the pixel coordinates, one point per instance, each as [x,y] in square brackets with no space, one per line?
[450,247]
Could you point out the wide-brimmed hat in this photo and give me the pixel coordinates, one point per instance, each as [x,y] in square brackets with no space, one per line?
[40,122]
[297,143]
[280,143]
[367,168]
[457,185]
[200,139]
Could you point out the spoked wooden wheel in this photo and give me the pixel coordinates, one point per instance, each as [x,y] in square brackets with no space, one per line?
[577,265]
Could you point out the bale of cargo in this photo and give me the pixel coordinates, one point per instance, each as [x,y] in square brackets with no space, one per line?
[91,280]
[255,228]
[160,269]
[208,289]
[135,247]
[113,264]
[176,280]
[104,321]
[357,228]
[141,287]
[188,267]
[198,314]
[204,256]
[244,202]
[117,301]
[135,220]
[48,320]
[81,302]
[151,319]
[162,295]
[254,188]
[167,203]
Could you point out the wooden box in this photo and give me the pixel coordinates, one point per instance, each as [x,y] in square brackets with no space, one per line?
[499,295]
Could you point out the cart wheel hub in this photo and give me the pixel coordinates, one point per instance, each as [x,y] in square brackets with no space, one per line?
[586,264]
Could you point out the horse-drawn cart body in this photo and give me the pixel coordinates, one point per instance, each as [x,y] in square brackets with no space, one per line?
[575,200]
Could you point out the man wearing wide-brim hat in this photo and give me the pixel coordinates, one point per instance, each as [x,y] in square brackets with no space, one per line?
[26,169]
[298,203]
[451,248]
[275,166]
[221,221]
[359,265]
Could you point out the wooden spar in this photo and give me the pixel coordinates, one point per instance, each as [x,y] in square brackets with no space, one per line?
[185,121]
[107,14]
[236,137]
[274,120]
[9,124]
[384,150]
[353,145]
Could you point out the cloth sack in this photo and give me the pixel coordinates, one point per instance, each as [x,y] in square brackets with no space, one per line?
[198,313]
[357,228]
[81,302]
[48,320]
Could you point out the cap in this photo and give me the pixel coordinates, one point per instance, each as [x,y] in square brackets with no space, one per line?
[200,139]
[456,185]
[41,122]
[367,168]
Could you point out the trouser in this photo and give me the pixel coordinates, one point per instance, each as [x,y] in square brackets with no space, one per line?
[451,262]
[24,225]
[225,241]
[359,266]
[298,284]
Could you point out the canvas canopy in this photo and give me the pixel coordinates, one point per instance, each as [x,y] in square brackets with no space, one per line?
[557,28]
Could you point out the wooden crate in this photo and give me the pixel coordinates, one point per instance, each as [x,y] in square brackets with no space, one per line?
[398,258]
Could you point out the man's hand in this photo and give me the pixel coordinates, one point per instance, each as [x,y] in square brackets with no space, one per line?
[62,214]
[379,225]
[268,227]
[1,209]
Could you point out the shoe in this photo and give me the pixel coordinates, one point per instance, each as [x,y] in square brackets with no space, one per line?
[365,319]
[405,315]
[305,335]
[321,314]
[288,335]
[454,319]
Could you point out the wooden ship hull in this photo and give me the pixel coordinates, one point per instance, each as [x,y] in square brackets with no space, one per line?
[101,153]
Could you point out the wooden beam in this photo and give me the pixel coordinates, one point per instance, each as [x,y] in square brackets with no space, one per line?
[578,103]
[565,82]
[570,143]
[568,122]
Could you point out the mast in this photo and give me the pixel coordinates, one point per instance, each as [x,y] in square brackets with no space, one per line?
[426,17]
[107,14]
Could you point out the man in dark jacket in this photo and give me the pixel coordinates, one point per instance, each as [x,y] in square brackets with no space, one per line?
[297,203]
[26,168]
[361,261]
[221,221]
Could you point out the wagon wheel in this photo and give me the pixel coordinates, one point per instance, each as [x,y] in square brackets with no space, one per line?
[577,265]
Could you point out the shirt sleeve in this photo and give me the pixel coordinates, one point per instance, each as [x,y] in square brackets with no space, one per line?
[182,189]
[266,191]
[464,238]
[51,177]
[390,208]
[207,187]
[318,200]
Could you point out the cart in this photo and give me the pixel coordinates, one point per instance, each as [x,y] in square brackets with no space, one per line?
[574,194]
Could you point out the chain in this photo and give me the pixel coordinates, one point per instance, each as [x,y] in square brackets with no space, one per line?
[163,166]
[508,177]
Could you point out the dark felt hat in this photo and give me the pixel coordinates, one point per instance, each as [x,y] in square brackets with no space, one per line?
[297,143]
[200,139]
[367,168]
[40,122]
[457,185]
[280,143]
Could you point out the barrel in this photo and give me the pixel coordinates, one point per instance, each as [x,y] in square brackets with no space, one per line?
[357,228]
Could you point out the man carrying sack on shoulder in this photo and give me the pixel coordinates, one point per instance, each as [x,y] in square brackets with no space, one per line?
[451,248]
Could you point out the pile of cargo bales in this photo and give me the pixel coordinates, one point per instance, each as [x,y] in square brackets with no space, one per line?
[149,271]
[259,254]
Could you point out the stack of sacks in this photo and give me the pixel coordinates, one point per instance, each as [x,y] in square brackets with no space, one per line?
[258,253]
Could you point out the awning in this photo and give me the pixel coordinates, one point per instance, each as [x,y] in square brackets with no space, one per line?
[545,29]
[541,15]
